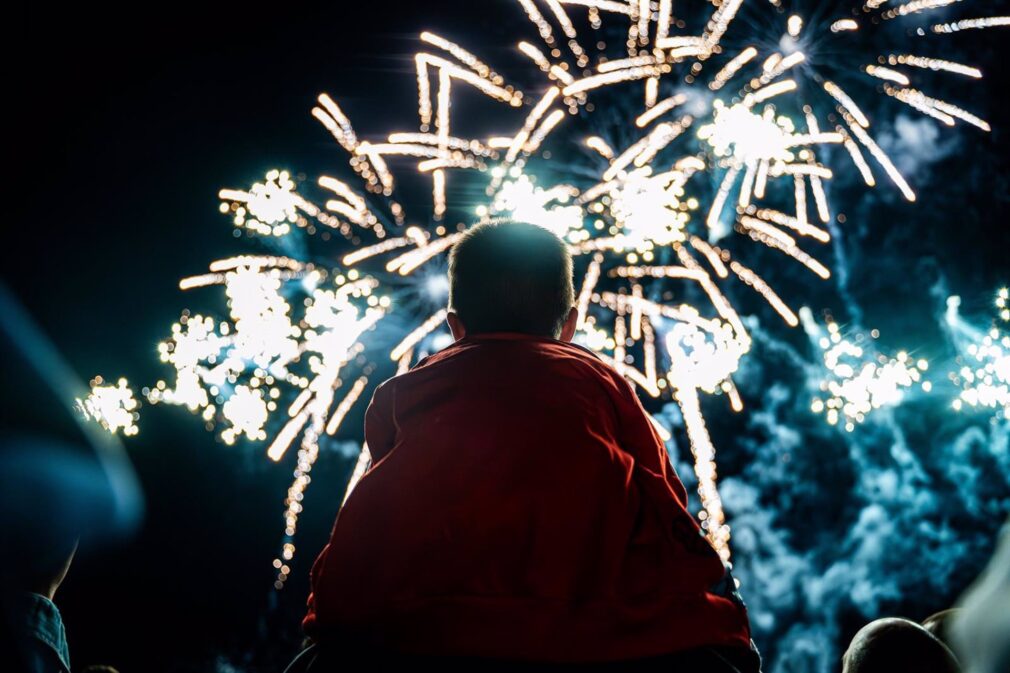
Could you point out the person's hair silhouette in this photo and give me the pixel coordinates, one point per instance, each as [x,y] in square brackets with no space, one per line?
[509,276]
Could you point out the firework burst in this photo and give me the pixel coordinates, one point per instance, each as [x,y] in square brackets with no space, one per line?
[860,379]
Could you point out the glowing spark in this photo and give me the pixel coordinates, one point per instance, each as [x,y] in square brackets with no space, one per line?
[648,209]
[916,6]
[247,411]
[596,81]
[463,55]
[730,69]
[529,203]
[985,378]
[857,157]
[859,382]
[112,407]
[711,254]
[972,24]
[345,405]
[934,64]
[762,288]
[802,228]
[942,109]
[659,109]
[600,145]
[719,23]
[334,119]
[769,91]
[745,136]
[259,347]
[790,249]
[848,105]
[882,159]
[414,337]
[843,25]
[606,5]
[794,25]
[713,520]
[270,208]
[887,74]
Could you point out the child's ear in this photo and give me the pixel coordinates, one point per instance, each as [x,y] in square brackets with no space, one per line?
[571,322]
[456,326]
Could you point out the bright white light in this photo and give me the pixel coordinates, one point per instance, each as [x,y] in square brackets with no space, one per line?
[268,208]
[441,340]
[985,379]
[437,286]
[246,410]
[113,407]
[528,203]
[233,368]
[860,381]
[702,358]
[648,208]
[748,137]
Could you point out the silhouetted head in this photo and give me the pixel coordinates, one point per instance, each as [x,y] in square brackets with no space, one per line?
[895,645]
[508,276]
[939,625]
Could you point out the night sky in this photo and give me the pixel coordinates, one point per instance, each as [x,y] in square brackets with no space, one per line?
[127,122]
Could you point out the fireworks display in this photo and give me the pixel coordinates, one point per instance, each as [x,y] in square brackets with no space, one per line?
[664,149]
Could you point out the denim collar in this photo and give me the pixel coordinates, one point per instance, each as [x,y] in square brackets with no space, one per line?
[39,618]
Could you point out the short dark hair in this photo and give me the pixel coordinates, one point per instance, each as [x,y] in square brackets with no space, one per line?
[511,276]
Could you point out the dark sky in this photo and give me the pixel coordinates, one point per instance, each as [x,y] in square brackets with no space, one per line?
[127,122]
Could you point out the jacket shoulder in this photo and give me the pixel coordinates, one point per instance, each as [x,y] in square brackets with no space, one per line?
[594,362]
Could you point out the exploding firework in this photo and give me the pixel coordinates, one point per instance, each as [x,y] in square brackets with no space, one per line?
[645,156]
[237,372]
[984,377]
[859,379]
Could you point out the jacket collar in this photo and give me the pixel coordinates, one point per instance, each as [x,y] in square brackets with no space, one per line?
[518,336]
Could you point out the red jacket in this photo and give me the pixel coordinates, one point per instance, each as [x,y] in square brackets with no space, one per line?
[519,505]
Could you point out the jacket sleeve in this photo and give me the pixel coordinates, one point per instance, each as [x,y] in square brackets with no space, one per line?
[380,437]
[380,426]
[658,479]
[640,437]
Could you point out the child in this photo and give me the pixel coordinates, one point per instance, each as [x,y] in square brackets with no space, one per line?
[520,505]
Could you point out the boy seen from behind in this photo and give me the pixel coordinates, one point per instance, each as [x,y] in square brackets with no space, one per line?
[520,506]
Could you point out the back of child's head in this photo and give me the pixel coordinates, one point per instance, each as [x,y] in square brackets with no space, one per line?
[509,276]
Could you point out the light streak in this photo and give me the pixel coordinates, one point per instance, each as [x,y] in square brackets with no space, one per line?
[972,24]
